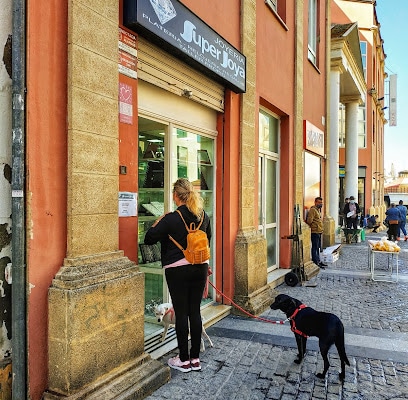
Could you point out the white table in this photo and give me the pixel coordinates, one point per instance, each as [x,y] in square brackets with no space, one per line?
[390,263]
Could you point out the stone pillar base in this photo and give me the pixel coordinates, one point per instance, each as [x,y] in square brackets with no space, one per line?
[329,230]
[255,303]
[133,381]
[96,331]
[252,292]
[311,270]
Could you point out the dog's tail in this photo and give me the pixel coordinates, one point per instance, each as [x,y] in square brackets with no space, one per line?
[341,348]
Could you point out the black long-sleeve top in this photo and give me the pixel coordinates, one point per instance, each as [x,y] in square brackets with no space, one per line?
[172,224]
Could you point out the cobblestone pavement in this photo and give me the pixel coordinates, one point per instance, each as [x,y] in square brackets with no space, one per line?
[254,360]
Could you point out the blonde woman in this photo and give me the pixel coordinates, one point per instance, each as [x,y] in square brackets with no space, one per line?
[185,281]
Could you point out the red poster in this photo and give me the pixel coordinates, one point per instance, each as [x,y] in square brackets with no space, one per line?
[125,104]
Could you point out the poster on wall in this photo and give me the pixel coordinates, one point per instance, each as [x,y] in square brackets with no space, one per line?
[127,54]
[127,204]
[125,103]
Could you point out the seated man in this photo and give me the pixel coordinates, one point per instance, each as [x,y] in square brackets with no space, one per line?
[372,223]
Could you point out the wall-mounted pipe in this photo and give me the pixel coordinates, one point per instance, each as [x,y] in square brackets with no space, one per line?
[19,291]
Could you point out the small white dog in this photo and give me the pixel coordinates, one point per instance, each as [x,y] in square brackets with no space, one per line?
[166,316]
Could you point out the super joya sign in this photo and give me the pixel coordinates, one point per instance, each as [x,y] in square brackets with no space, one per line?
[171,22]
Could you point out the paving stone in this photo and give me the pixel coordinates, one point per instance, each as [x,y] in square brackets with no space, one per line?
[257,369]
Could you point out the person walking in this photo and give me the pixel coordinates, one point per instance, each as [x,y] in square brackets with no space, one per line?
[186,282]
[314,220]
[403,210]
[351,212]
[393,219]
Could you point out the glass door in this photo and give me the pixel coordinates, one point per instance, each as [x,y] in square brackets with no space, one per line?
[152,202]
[268,207]
[193,158]
[268,185]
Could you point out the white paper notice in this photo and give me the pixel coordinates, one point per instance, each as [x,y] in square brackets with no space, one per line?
[127,204]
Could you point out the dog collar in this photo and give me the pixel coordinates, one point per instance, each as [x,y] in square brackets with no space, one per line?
[292,321]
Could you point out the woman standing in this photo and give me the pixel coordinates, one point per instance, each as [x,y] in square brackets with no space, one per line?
[185,281]
[393,218]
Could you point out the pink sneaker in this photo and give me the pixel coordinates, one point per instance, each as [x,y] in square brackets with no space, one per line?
[195,364]
[176,363]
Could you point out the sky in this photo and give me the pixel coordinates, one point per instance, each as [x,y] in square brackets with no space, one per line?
[393,17]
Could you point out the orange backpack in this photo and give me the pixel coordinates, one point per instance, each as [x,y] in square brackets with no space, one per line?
[197,250]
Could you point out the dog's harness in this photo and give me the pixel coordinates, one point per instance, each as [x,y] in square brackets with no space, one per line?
[292,321]
[170,311]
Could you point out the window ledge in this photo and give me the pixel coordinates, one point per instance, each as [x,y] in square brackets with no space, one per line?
[314,66]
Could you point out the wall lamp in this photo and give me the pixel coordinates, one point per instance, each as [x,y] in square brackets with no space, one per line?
[381,98]
[384,108]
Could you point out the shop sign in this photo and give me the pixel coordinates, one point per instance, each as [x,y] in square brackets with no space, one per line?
[314,138]
[127,64]
[168,22]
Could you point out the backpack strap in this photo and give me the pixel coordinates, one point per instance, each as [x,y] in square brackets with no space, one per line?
[192,225]
[188,230]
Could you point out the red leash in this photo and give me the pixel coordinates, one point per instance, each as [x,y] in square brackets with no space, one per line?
[246,312]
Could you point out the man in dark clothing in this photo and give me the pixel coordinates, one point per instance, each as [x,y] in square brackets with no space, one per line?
[351,212]
[372,223]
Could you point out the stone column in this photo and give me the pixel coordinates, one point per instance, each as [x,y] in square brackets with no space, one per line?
[333,147]
[96,301]
[351,179]
[251,289]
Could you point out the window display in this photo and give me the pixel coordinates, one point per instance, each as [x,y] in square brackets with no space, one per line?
[166,153]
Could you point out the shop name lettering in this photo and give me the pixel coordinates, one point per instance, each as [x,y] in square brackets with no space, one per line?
[314,139]
[219,51]
[190,35]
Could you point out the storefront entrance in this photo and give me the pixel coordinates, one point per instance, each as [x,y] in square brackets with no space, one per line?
[170,148]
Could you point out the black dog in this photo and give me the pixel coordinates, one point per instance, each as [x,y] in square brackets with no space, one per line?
[305,321]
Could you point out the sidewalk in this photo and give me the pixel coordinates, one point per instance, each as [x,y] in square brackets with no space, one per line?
[254,360]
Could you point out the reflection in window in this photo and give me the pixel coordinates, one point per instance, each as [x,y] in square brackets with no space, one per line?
[312,31]
[268,132]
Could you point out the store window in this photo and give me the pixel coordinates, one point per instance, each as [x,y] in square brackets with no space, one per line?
[278,7]
[313,177]
[168,152]
[312,31]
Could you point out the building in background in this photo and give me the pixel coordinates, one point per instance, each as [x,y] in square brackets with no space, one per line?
[361,137]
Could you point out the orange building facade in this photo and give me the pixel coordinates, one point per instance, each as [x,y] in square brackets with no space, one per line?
[122,99]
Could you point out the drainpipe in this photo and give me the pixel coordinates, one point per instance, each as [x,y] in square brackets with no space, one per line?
[19,292]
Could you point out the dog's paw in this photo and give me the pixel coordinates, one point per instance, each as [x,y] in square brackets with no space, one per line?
[297,360]
[320,376]
[342,376]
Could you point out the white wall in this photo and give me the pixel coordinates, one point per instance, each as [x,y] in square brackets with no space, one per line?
[5,181]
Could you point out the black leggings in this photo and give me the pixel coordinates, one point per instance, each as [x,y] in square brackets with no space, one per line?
[186,285]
